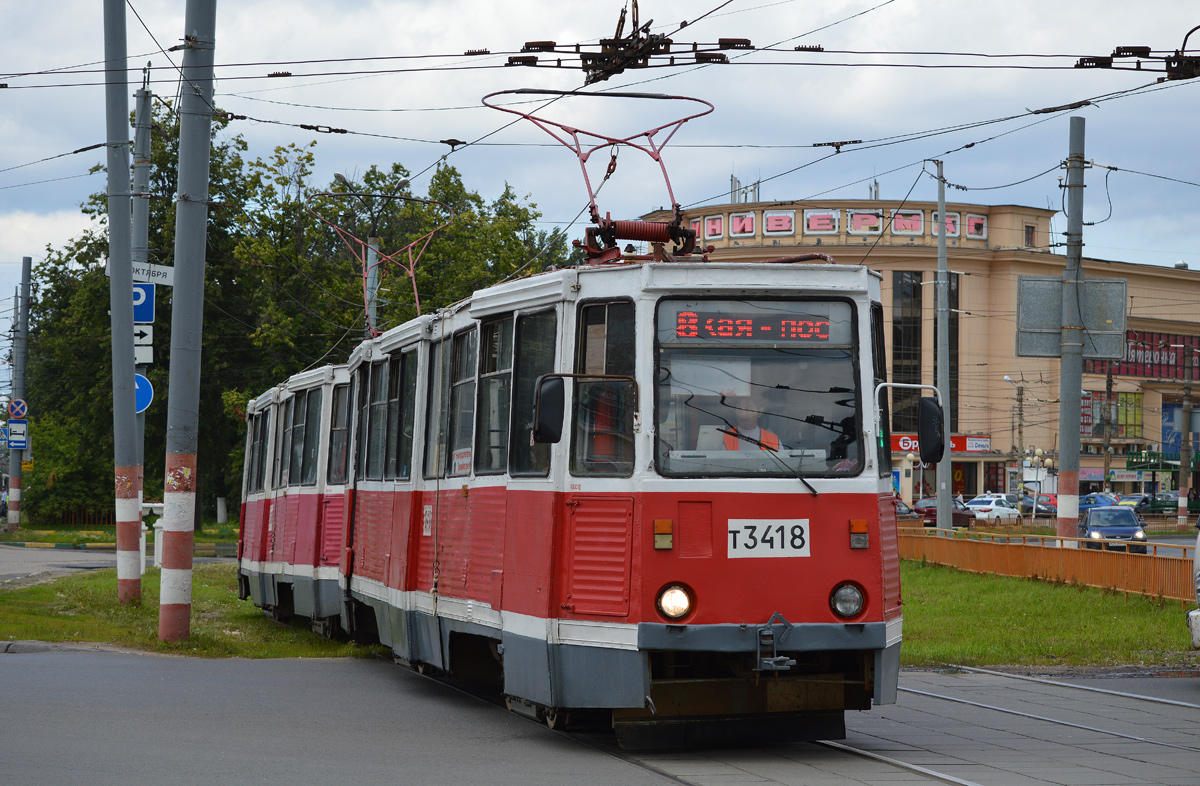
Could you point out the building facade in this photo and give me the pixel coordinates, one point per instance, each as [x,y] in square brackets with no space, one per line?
[1004,408]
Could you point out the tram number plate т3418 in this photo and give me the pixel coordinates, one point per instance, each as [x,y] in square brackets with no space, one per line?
[767,538]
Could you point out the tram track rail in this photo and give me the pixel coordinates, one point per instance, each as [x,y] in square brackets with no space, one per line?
[749,763]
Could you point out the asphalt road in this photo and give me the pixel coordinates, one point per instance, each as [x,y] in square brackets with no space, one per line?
[99,718]
[21,565]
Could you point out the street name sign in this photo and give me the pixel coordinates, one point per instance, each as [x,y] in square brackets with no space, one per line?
[150,274]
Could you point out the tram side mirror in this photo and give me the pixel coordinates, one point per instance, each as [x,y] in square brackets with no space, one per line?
[548,409]
[931,437]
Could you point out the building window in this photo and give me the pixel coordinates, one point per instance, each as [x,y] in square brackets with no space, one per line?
[906,347]
[1117,418]
[994,476]
[1029,238]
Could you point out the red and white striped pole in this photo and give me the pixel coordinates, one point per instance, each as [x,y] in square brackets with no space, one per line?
[14,498]
[179,511]
[187,320]
[129,537]
[125,472]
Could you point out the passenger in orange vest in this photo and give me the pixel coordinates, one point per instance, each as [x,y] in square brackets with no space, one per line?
[747,435]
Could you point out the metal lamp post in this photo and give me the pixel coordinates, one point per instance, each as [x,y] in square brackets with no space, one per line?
[912,468]
[1020,433]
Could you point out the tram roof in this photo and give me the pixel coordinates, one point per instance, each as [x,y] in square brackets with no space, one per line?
[654,278]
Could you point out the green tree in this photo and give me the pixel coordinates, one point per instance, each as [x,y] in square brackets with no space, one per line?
[282,294]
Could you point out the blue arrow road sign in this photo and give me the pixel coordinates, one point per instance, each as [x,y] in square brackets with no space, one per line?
[143,392]
[143,303]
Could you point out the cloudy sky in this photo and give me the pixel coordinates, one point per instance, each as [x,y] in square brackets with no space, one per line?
[913,79]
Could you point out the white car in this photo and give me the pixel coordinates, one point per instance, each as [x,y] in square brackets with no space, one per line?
[994,508]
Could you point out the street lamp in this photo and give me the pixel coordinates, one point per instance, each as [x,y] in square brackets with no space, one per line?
[912,465]
[1020,434]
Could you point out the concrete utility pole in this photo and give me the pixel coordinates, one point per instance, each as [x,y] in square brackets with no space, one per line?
[187,322]
[1072,342]
[1110,412]
[140,247]
[20,355]
[1185,445]
[372,284]
[120,299]
[945,516]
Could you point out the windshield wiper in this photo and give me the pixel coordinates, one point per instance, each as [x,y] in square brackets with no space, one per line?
[773,453]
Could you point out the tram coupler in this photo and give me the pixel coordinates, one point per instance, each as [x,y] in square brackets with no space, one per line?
[765,642]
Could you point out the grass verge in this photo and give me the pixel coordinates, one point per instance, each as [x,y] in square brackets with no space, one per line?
[968,619]
[83,608]
[950,617]
[81,536]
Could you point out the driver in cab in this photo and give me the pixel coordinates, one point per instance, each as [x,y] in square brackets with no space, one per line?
[747,434]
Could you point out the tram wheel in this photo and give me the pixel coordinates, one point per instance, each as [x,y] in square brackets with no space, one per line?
[556,718]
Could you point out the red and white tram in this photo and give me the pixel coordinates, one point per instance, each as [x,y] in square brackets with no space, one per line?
[657,489]
[293,496]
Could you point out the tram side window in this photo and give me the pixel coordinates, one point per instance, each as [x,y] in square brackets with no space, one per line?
[264,435]
[339,435]
[462,403]
[884,436]
[450,418]
[296,439]
[377,420]
[402,388]
[495,390]
[301,438]
[312,438]
[285,443]
[257,427]
[602,442]
[437,415]
[362,384]
[533,356]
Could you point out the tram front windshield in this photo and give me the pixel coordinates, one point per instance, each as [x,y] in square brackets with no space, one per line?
[764,388]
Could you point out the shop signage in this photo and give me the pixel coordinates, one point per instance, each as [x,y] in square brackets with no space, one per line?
[1152,354]
[959,443]
[867,222]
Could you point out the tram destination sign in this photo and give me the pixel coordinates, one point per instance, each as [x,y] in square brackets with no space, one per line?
[753,327]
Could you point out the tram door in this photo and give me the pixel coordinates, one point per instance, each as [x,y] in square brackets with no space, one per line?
[600,532]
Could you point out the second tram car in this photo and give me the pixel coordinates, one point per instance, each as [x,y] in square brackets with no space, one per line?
[657,490]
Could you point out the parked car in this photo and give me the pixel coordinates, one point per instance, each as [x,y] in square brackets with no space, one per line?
[1012,498]
[1089,501]
[1044,508]
[994,508]
[1113,528]
[960,514]
[1139,502]
[903,511]
[1049,499]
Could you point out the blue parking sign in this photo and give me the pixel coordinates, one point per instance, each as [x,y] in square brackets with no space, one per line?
[143,303]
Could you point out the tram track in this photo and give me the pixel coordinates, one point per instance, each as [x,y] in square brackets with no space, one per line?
[971,746]
[905,737]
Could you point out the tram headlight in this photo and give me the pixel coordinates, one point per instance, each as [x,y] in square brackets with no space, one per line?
[846,601]
[675,601]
